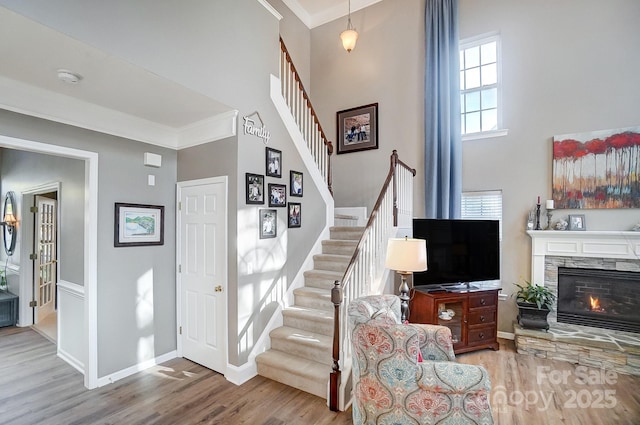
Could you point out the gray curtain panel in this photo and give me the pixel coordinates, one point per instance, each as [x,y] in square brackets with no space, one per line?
[443,141]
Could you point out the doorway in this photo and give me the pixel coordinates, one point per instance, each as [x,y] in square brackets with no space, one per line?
[87,322]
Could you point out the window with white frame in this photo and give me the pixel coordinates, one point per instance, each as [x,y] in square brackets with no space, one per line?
[486,205]
[480,85]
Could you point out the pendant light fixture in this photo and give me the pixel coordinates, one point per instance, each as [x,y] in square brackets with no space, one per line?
[350,35]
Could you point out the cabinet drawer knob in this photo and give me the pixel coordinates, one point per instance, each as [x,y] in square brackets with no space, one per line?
[481,335]
[482,301]
[482,319]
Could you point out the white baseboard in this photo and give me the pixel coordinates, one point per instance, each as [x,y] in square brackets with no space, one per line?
[109,379]
[506,335]
[77,364]
[238,375]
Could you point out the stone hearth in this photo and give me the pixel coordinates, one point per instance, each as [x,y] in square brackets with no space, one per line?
[582,345]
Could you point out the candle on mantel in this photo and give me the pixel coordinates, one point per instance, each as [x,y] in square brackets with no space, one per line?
[538,200]
[549,204]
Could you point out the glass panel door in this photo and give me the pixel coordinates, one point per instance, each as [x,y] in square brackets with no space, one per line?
[451,315]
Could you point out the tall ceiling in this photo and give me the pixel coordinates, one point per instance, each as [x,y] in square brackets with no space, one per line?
[31,53]
[317,12]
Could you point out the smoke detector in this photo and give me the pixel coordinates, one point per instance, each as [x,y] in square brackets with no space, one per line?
[69,77]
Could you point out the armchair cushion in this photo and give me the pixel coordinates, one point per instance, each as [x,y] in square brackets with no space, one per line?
[391,387]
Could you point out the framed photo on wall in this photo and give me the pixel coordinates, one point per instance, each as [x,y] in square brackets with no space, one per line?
[358,128]
[295,183]
[277,195]
[295,214]
[273,162]
[268,224]
[255,188]
[138,225]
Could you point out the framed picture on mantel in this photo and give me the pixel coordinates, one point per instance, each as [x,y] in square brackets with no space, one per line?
[576,222]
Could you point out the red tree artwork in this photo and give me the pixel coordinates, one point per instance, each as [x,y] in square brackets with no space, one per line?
[597,169]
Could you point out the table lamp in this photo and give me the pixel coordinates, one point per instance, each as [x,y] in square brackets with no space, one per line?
[405,256]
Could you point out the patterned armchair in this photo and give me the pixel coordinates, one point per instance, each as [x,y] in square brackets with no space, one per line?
[392,385]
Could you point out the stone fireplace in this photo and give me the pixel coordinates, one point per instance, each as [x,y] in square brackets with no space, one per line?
[576,265]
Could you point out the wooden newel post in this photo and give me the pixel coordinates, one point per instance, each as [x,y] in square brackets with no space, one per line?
[334,378]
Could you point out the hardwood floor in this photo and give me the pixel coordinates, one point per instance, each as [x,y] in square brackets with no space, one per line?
[36,387]
[529,390]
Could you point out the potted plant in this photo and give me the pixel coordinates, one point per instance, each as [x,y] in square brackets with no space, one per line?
[534,303]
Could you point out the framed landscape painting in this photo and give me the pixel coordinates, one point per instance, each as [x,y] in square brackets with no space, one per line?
[358,128]
[598,169]
[138,225]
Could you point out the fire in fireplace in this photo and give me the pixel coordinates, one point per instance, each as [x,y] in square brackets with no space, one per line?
[607,299]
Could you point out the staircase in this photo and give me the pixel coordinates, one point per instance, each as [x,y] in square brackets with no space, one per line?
[300,354]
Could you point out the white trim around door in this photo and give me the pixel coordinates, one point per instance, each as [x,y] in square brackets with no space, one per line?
[90,242]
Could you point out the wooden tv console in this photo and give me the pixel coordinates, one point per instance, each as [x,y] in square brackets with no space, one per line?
[474,322]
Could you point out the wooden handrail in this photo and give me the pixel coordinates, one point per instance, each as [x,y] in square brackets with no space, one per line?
[308,129]
[364,248]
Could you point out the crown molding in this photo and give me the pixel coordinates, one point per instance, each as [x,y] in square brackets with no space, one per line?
[33,101]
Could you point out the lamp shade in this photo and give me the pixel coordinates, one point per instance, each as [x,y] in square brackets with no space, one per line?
[349,38]
[406,255]
[10,219]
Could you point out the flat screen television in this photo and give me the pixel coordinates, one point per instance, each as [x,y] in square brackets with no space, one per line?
[458,251]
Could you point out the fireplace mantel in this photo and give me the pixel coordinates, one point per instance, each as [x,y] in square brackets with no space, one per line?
[595,244]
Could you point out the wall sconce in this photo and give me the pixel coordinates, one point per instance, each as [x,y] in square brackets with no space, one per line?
[10,223]
[350,35]
[406,256]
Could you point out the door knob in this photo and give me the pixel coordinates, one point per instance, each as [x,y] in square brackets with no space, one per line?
[218,288]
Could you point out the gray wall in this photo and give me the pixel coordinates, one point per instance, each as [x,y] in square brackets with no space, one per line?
[20,171]
[568,67]
[386,66]
[235,70]
[136,285]
[297,38]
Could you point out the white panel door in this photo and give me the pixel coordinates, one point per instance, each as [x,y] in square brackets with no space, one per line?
[203,273]
[47,257]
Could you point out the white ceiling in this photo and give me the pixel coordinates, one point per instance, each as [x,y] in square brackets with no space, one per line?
[317,12]
[113,93]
